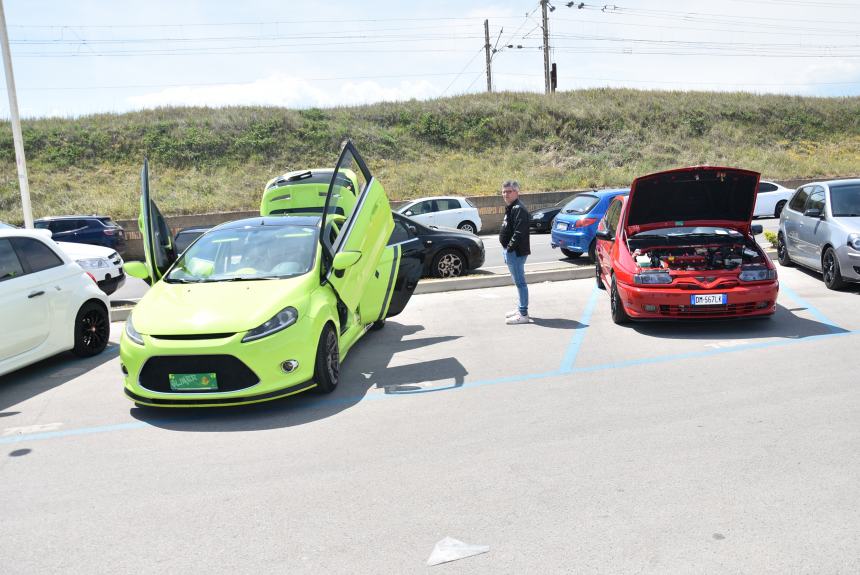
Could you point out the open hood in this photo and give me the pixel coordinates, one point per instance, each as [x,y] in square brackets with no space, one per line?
[696,196]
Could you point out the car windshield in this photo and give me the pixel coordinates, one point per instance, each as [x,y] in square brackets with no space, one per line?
[249,253]
[581,204]
[845,200]
[564,201]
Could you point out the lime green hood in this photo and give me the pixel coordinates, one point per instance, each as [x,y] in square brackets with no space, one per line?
[218,307]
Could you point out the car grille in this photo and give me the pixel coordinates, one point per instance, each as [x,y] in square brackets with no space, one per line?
[725,310]
[231,373]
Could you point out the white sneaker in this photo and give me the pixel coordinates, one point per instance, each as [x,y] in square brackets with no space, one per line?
[513,320]
[512,313]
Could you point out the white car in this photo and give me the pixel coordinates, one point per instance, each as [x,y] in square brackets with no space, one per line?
[770,199]
[444,212]
[48,304]
[105,264]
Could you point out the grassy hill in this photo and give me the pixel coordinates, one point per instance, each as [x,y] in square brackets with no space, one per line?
[206,160]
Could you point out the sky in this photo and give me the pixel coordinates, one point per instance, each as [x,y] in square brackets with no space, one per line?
[93,56]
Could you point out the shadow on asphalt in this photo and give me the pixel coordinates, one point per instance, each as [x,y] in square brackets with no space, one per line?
[783,324]
[851,288]
[27,382]
[365,368]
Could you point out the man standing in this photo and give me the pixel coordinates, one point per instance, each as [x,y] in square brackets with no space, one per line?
[514,237]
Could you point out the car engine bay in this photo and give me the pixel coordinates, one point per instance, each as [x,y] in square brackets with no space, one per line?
[694,253]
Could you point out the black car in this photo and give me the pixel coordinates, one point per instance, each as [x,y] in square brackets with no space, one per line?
[540,220]
[95,230]
[448,252]
[186,236]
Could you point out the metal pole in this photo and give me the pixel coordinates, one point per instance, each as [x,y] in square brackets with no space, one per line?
[16,123]
[487,49]
[547,88]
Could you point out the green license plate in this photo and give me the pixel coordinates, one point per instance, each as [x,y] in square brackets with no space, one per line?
[193,381]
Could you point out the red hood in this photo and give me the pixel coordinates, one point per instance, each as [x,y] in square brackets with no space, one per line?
[695,196]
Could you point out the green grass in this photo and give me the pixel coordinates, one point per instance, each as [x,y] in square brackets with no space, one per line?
[208,160]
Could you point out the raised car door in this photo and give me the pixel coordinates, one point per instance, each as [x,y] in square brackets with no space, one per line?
[404,241]
[361,238]
[157,242]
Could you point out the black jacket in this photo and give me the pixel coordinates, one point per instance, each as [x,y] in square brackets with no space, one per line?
[514,235]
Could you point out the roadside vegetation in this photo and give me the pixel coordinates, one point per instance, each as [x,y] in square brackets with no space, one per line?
[211,160]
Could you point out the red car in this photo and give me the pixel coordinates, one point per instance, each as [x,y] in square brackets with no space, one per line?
[680,245]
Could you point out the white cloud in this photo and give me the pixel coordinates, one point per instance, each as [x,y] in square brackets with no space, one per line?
[287,91]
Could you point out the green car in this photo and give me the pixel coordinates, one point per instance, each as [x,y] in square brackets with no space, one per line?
[266,307]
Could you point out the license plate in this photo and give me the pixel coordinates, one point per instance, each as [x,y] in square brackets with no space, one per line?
[561,226]
[708,299]
[193,381]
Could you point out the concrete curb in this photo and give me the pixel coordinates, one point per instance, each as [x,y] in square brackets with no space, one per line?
[121,309]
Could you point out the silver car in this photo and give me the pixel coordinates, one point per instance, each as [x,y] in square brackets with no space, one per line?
[820,229]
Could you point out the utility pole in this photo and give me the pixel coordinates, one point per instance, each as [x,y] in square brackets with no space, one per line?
[16,123]
[547,85]
[487,49]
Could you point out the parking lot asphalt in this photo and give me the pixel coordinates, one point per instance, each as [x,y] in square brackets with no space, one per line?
[566,445]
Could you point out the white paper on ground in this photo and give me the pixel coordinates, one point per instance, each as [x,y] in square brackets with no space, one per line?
[450,549]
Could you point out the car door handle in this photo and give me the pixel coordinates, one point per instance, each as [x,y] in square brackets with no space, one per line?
[36,294]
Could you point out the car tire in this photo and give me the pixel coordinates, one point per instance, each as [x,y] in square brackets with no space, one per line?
[569,254]
[592,256]
[448,263]
[327,364]
[830,270]
[468,226]
[782,252]
[597,279]
[377,325]
[778,210]
[92,330]
[616,306]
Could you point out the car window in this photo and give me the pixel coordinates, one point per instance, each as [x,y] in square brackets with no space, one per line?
[185,239]
[447,204]
[36,255]
[424,207]
[815,200]
[766,187]
[400,233]
[799,199]
[93,224]
[108,222]
[845,200]
[42,225]
[10,266]
[581,204]
[612,215]
[471,204]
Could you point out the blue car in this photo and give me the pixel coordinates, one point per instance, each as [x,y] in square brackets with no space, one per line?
[574,227]
[95,230]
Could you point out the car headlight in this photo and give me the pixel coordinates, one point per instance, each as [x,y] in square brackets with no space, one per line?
[854,241]
[653,278]
[132,333]
[538,216]
[94,263]
[757,275]
[283,319]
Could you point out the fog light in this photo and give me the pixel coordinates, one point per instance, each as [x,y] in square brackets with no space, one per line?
[290,366]
[857,269]
[123,368]
[649,307]
[761,304]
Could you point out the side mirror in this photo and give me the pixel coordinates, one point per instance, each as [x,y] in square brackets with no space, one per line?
[756,229]
[345,260]
[604,235]
[412,229]
[812,213]
[137,270]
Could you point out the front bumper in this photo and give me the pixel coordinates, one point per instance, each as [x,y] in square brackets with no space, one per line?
[849,263]
[245,372]
[673,303]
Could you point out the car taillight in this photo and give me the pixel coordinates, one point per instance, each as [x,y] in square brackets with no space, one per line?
[584,222]
[92,277]
[109,232]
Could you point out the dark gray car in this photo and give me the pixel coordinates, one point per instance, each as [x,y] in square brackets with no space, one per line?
[820,229]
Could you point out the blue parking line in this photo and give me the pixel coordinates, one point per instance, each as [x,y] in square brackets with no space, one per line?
[579,335]
[72,432]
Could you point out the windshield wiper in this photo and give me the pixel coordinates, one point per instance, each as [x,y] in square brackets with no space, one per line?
[846,215]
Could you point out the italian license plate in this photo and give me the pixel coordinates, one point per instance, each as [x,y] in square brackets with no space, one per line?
[561,226]
[193,381]
[708,299]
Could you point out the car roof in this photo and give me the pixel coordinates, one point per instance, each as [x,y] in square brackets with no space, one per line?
[23,232]
[835,182]
[271,221]
[609,192]
[47,218]
[435,198]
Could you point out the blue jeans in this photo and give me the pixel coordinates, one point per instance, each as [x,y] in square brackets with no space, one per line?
[517,267]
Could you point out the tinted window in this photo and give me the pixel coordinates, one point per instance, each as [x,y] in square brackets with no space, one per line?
[581,204]
[612,215]
[108,222]
[845,200]
[468,201]
[10,267]
[184,239]
[59,226]
[816,200]
[765,187]
[36,255]
[799,199]
[400,233]
[422,208]
[447,204]
[41,225]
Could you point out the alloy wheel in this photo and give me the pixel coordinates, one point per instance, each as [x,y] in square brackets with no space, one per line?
[332,356]
[450,265]
[94,330]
